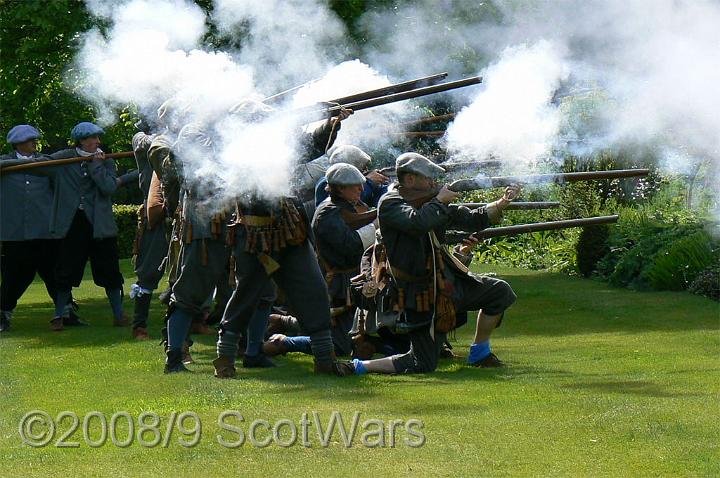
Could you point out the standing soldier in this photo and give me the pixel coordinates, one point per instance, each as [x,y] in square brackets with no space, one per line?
[272,244]
[26,246]
[82,216]
[204,256]
[428,286]
[85,220]
[151,244]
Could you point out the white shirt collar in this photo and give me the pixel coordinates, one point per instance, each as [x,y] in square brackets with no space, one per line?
[82,152]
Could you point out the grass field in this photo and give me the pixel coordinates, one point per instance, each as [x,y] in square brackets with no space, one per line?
[601,382]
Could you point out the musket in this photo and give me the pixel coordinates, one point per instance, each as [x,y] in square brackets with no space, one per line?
[430,119]
[516,206]
[555,178]
[451,167]
[421,134]
[333,111]
[391,89]
[59,162]
[455,237]
[418,198]
[273,98]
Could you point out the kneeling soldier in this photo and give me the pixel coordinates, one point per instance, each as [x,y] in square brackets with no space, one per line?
[343,228]
[426,285]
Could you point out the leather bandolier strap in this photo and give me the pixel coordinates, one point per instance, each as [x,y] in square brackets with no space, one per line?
[439,292]
[284,227]
[267,234]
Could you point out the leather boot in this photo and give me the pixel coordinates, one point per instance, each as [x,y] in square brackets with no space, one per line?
[173,362]
[224,367]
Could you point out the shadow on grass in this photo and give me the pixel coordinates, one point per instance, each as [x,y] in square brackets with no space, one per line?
[642,388]
[33,322]
[563,306]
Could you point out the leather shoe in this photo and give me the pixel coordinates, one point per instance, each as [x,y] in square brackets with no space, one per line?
[56,324]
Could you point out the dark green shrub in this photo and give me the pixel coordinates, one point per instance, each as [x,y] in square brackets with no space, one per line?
[630,258]
[591,247]
[676,266]
[707,283]
[126,219]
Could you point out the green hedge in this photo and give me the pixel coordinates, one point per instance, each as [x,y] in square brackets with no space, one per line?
[126,219]
[660,245]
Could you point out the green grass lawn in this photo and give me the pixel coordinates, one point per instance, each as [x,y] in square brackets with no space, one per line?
[601,382]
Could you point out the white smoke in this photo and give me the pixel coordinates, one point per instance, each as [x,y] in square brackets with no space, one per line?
[648,73]
[152,55]
[512,118]
[653,71]
[367,128]
[288,42]
[144,62]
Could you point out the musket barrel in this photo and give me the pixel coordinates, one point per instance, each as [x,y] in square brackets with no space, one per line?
[464,165]
[421,134]
[430,119]
[59,162]
[453,167]
[392,89]
[558,178]
[453,237]
[273,98]
[516,206]
[545,226]
[405,95]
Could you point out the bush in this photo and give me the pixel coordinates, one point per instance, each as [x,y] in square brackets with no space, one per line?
[658,245]
[591,247]
[675,267]
[126,219]
[707,283]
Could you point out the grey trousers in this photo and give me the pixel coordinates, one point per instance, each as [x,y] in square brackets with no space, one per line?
[491,295]
[196,280]
[299,277]
[149,262]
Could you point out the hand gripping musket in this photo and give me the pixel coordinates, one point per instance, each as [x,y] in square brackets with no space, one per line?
[455,237]
[59,162]
[356,220]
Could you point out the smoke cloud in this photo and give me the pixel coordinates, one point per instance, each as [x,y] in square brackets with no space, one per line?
[512,119]
[606,74]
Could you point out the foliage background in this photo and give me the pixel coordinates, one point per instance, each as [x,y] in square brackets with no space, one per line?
[659,243]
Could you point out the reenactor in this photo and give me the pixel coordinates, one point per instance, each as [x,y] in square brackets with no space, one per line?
[203,256]
[375,184]
[423,285]
[343,227]
[27,246]
[82,216]
[151,245]
[272,246]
